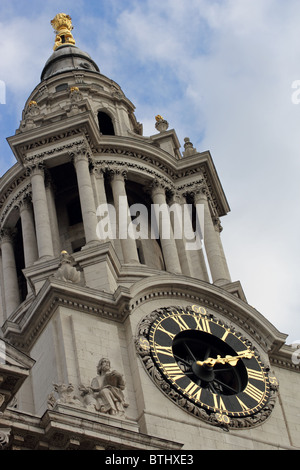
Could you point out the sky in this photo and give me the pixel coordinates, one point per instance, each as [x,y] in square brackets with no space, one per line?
[226,74]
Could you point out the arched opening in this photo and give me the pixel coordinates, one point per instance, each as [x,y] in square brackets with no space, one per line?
[106,126]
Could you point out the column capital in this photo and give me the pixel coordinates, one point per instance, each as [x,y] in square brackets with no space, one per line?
[35,169]
[117,173]
[157,187]
[98,170]
[81,152]
[6,235]
[25,203]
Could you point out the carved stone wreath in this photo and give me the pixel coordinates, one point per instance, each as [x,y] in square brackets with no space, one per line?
[143,349]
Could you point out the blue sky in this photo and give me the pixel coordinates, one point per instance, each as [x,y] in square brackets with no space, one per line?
[221,73]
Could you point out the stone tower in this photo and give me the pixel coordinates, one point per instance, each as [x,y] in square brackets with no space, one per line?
[121,326]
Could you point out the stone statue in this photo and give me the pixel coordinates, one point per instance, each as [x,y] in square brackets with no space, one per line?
[106,390]
[67,271]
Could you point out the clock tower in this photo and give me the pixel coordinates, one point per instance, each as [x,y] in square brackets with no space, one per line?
[121,328]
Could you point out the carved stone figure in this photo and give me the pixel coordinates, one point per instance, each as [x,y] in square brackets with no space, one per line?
[63,394]
[67,271]
[106,390]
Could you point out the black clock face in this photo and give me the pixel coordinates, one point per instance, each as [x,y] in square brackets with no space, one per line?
[208,363]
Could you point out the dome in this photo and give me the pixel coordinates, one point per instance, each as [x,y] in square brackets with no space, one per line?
[67,58]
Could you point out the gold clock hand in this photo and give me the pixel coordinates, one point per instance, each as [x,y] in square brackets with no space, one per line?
[232,360]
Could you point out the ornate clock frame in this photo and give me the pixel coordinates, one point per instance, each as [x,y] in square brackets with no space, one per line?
[158,371]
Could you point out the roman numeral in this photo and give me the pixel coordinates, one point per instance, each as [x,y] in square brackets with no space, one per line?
[161,328]
[225,335]
[202,324]
[243,406]
[255,374]
[167,350]
[254,392]
[180,322]
[173,371]
[193,390]
[218,402]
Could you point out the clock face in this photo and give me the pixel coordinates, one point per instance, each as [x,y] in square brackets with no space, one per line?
[206,362]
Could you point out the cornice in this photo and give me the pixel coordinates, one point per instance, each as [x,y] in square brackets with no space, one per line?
[29,324]
[235,310]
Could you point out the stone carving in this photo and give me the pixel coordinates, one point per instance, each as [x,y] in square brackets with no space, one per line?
[63,394]
[161,124]
[62,24]
[4,437]
[105,393]
[67,271]
[188,148]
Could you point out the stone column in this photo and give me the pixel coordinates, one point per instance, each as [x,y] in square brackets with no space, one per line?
[167,241]
[53,215]
[128,244]
[97,177]
[86,195]
[10,279]
[215,256]
[41,213]
[195,257]
[28,232]
[176,205]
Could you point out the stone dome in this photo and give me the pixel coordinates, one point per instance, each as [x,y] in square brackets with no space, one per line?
[67,58]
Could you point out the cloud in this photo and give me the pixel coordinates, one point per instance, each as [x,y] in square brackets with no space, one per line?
[221,73]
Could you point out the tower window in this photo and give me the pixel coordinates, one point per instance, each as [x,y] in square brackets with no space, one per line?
[105,124]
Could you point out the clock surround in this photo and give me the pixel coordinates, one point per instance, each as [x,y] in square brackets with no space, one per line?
[206,367]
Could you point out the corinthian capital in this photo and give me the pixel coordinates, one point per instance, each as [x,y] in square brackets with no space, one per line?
[81,152]
[117,172]
[6,235]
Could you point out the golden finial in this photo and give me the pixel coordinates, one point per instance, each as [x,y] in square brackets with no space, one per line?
[62,24]
[159,118]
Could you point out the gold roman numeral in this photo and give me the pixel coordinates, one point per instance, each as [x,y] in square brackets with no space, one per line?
[167,350]
[243,406]
[256,374]
[225,335]
[193,390]
[161,328]
[218,402]
[202,324]
[173,371]
[180,322]
[254,392]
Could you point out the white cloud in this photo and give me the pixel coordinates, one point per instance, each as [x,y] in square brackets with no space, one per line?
[221,73]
